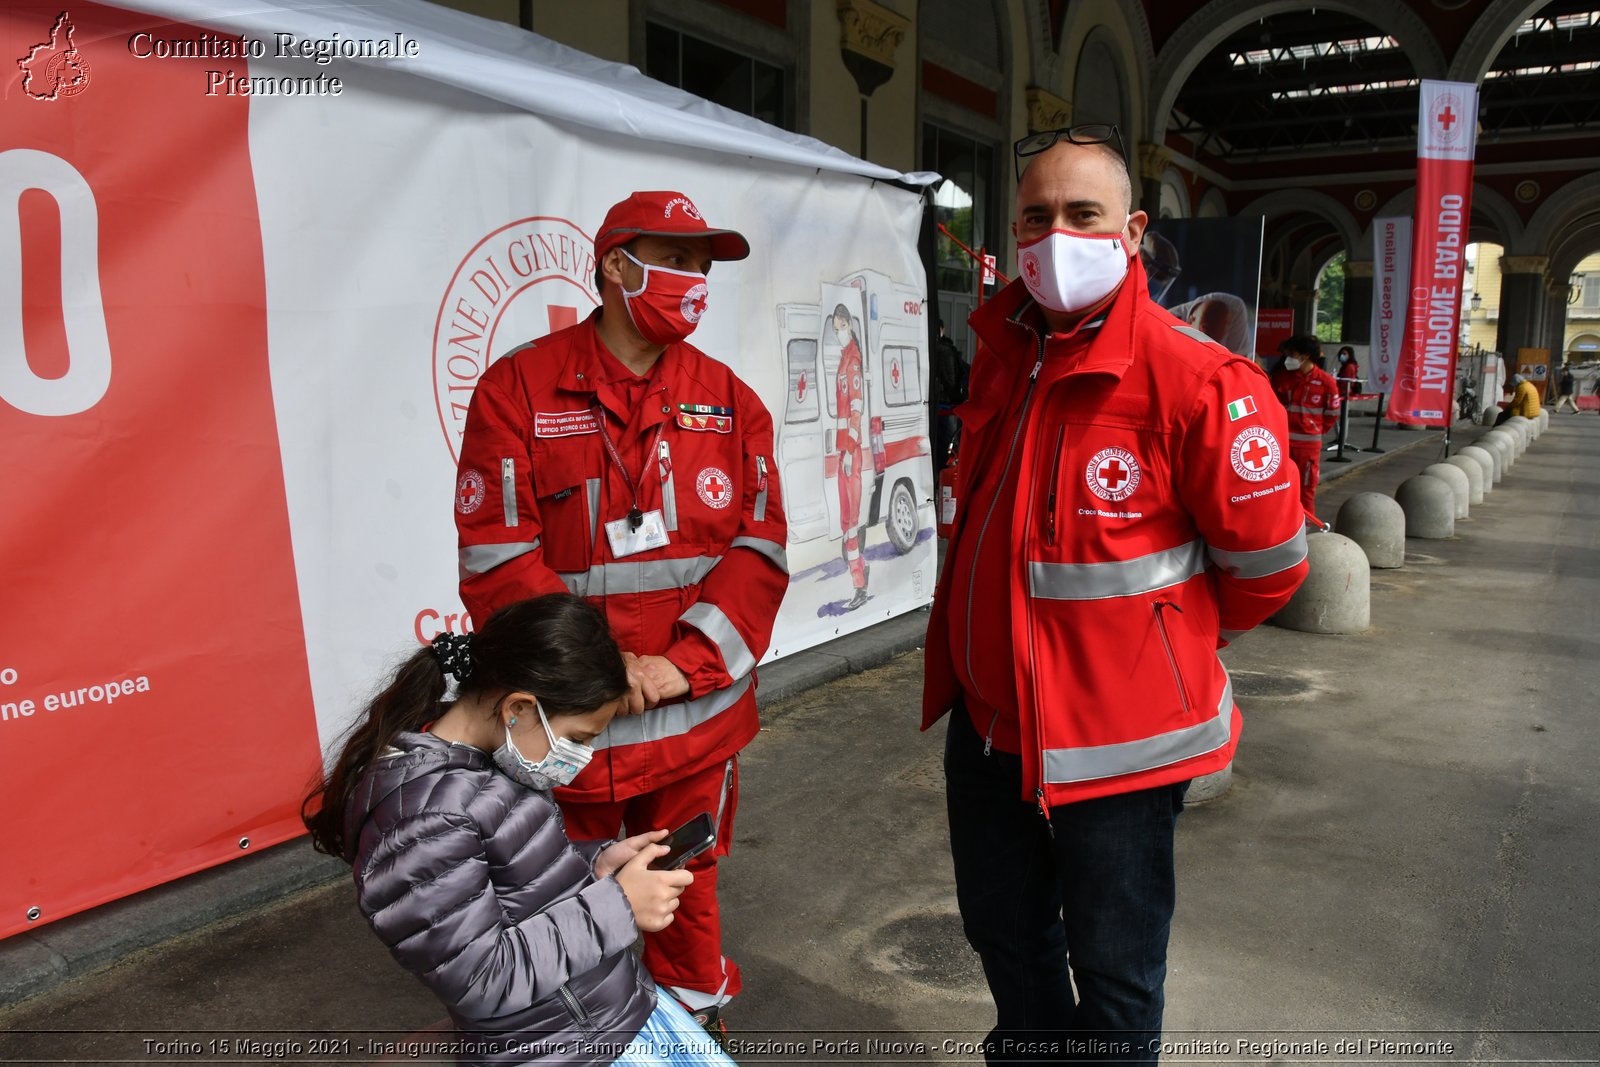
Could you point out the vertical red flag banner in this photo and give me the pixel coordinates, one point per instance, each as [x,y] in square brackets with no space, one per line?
[1447,123]
[155,703]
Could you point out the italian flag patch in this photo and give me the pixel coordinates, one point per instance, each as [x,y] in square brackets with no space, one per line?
[1238,409]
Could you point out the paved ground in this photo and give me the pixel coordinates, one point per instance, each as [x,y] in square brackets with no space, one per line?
[1407,855]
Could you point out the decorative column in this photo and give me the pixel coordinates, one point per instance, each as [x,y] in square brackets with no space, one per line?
[1046,110]
[869,34]
[1153,161]
[1521,304]
[1555,320]
[1357,326]
[1304,302]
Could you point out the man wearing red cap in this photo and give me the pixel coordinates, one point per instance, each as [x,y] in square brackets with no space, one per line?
[616,461]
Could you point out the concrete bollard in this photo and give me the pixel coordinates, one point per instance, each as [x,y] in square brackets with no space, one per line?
[1496,447]
[1544,420]
[1488,416]
[1523,429]
[1456,480]
[1378,525]
[1506,441]
[1474,472]
[1485,463]
[1209,786]
[1336,597]
[1430,507]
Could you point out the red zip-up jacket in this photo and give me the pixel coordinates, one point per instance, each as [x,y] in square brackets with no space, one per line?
[536,487]
[1312,401]
[1154,518]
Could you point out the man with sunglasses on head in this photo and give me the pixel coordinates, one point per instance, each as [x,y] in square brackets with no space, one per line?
[1126,509]
[617,461]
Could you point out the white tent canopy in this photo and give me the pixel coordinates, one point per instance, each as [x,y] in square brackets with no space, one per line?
[504,63]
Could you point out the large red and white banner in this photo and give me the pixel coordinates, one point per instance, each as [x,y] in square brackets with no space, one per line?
[1447,124]
[253,262]
[1391,291]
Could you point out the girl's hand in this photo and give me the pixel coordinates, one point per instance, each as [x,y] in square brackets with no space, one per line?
[653,895]
[615,855]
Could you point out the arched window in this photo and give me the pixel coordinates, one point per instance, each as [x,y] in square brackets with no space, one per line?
[1100,89]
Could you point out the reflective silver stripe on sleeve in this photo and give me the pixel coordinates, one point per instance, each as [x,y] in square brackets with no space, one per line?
[1304,410]
[715,624]
[649,576]
[508,489]
[1066,765]
[771,549]
[1317,437]
[479,559]
[671,720]
[591,494]
[1262,562]
[1190,331]
[1101,581]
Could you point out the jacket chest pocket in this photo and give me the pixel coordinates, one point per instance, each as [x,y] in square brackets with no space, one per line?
[567,487]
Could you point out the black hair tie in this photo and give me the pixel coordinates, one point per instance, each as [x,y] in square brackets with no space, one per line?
[454,653]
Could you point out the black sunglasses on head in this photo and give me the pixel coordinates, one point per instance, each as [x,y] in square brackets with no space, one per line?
[1087,133]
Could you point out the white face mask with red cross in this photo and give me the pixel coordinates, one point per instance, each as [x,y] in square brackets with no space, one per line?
[1068,271]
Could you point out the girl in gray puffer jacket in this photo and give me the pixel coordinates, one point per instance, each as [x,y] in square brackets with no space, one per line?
[461,861]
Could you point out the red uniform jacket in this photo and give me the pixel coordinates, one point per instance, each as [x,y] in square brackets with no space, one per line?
[1156,516]
[1312,401]
[537,487]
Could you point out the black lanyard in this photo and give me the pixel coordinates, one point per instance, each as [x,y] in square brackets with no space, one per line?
[635,515]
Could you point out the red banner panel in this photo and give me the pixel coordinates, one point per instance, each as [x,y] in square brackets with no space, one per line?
[155,704]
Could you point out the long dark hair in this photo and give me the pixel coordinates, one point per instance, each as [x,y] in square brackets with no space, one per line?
[557,647]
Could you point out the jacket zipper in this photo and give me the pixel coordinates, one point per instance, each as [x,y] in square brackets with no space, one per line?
[988,738]
[669,486]
[760,513]
[1022,419]
[508,489]
[1055,475]
[573,1006]
[1172,659]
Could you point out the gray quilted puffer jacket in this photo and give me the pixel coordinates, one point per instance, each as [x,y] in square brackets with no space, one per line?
[470,880]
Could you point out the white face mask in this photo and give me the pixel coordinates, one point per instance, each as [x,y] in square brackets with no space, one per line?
[559,766]
[843,335]
[1291,363]
[1067,271]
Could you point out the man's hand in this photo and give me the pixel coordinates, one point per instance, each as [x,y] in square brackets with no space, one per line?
[618,853]
[636,699]
[661,679]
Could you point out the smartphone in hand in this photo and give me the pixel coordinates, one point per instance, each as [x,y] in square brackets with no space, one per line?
[687,842]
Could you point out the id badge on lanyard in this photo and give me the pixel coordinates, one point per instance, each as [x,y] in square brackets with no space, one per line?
[638,531]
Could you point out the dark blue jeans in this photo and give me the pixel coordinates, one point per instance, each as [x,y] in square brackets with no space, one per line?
[1089,904]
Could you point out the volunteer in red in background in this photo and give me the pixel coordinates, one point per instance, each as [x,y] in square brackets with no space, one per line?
[1124,508]
[850,400]
[1311,397]
[1349,367]
[616,461]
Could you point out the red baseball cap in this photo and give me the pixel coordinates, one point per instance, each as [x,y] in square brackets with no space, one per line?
[664,214]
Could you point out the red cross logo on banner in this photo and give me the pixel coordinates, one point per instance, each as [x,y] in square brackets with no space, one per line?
[714,487]
[800,387]
[894,372]
[1447,118]
[1255,454]
[1113,474]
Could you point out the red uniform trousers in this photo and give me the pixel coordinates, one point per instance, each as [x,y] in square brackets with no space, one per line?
[850,516]
[1307,460]
[688,953]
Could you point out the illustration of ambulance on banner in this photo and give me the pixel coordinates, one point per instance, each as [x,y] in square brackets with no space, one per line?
[852,443]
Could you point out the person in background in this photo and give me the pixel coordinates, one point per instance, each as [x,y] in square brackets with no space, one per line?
[950,389]
[615,460]
[461,863]
[1118,518]
[1565,390]
[1349,367]
[1524,399]
[1311,397]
